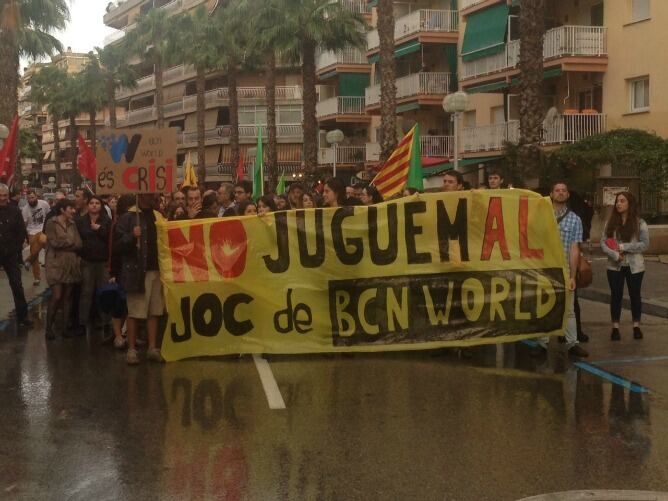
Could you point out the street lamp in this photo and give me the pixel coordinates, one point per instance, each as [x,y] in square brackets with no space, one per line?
[52,183]
[455,104]
[334,137]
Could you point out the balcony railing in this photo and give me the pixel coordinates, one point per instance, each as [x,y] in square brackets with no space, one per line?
[344,155]
[357,6]
[465,4]
[350,55]
[437,146]
[557,42]
[423,20]
[413,85]
[563,129]
[342,105]
[245,131]
[282,92]
[141,114]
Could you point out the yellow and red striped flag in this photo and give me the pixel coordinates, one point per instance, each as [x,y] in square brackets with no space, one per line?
[403,168]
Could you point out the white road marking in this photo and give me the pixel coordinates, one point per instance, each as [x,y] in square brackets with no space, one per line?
[274,397]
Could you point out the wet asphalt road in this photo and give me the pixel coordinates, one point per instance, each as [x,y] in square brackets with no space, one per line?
[77,423]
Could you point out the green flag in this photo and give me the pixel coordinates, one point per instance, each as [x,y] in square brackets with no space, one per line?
[258,168]
[415,167]
[280,189]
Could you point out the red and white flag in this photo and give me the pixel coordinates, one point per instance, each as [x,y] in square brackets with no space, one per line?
[86,160]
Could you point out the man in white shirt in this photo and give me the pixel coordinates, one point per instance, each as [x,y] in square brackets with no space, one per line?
[34,216]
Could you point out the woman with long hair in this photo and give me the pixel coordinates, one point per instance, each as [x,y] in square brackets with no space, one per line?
[370,195]
[310,200]
[63,266]
[334,193]
[265,205]
[624,240]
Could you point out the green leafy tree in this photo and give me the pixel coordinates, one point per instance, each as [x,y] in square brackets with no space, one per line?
[306,26]
[74,105]
[48,89]
[26,28]
[150,41]
[117,74]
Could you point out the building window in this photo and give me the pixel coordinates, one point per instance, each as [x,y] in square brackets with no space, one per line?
[639,10]
[639,94]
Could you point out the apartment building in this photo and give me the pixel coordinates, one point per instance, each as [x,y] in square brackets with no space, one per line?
[136,107]
[73,63]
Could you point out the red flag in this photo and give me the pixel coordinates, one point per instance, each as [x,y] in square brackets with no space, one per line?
[240,167]
[86,160]
[7,156]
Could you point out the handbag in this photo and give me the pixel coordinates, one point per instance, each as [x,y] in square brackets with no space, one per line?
[584,275]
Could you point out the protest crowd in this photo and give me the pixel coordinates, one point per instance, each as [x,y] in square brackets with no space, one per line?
[101,252]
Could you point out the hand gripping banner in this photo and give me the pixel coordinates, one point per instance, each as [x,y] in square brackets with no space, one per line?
[427,271]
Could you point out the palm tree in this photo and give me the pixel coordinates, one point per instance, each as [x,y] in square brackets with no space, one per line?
[25,31]
[309,25]
[198,45]
[532,29]
[388,87]
[73,105]
[117,73]
[91,87]
[150,40]
[48,89]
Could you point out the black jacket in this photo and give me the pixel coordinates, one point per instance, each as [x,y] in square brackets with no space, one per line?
[95,242]
[12,230]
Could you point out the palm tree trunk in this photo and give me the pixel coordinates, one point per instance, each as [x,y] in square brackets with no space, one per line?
[200,84]
[9,81]
[532,28]
[92,125]
[234,112]
[159,94]
[111,99]
[73,144]
[310,122]
[56,148]
[270,89]
[388,87]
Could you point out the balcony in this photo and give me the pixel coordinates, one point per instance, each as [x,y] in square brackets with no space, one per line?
[342,108]
[563,129]
[357,6]
[119,34]
[431,146]
[420,21]
[469,4]
[146,114]
[124,7]
[330,60]
[344,155]
[286,132]
[562,42]
[417,84]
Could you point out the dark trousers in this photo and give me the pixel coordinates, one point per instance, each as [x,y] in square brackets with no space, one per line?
[95,275]
[10,264]
[576,307]
[633,281]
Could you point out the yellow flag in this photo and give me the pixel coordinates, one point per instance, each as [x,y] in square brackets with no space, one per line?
[189,176]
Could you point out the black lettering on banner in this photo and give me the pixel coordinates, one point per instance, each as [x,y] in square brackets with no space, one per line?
[413,256]
[340,246]
[446,306]
[203,304]
[449,230]
[282,261]
[234,326]
[389,254]
[208,316]
[292,317]
[306,259]
[185,314]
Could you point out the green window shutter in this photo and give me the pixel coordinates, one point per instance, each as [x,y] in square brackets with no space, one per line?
[485,33]
[451,56]
[353,84]
[407,48]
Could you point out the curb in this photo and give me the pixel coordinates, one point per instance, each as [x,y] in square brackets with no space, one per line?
[648,307]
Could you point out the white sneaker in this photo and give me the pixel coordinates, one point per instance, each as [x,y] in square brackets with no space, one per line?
[132,357]
[120,343]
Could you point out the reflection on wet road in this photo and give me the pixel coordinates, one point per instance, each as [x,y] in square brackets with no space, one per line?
[77,423]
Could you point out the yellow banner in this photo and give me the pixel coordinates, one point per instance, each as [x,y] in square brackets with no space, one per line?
[428,271]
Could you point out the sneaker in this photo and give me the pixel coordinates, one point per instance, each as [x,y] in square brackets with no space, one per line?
[27,265]
[36,282]
[615,335]
[120,343]
[153,354]
[132,357]
[637,333]
[578,351]
[25,323]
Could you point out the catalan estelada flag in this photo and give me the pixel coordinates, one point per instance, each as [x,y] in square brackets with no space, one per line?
[404,167]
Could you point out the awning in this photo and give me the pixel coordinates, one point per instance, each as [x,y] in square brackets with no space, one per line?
[485,33]
[400,50]
[491,87]
[353,84]
[408,107]
[437,169]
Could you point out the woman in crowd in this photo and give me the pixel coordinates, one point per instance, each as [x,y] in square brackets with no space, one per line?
[266,205]
[624,240]
[176,212]
[63,267]
[310,200]
[210,205]
[246,208]
[334,193]
[94,229]
[370,195]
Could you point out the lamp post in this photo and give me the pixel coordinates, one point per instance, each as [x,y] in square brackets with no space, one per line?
[334,137]
[51,184]
[455,104]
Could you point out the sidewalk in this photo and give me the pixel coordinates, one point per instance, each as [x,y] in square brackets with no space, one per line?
[31,292]
[654,287]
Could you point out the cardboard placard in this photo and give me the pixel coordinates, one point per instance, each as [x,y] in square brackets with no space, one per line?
[136,161]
